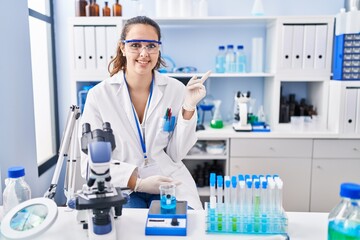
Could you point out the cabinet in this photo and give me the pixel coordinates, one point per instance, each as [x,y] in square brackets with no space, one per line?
[198,39]
[334,161]
[289,158]
[207,156]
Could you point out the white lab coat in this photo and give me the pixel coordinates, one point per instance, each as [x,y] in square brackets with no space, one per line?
[109,101]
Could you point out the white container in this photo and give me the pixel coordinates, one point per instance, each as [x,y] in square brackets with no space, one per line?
[203,8]
[174,8]
[352,21]
[185,8]
[16,190]
[161,8]
[258,8]
[340,22]
[257,55]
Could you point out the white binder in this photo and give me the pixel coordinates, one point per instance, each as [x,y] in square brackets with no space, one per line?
[297,48]
[320,46]
[309,46]
[101,60]
[287,46]
[350,110]
[79,48]
[111,42]
[90,56]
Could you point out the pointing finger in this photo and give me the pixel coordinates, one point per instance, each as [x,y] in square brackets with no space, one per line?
[206,75]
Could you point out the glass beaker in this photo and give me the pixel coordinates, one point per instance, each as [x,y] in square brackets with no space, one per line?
[167,198]
[217,121]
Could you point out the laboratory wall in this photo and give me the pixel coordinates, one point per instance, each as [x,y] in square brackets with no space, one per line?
[17,117]
[17,127]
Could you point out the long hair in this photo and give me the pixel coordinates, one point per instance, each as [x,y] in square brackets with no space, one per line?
[119,62]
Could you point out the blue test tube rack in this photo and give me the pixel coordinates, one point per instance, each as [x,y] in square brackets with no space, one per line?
[264,214]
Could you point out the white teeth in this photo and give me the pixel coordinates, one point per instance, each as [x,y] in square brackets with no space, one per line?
[142,62]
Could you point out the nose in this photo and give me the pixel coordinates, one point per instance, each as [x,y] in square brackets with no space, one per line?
[144,53]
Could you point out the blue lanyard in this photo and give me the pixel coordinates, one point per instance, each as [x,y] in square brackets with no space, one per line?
[142,139]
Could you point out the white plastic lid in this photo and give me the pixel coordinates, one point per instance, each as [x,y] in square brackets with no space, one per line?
[29,218]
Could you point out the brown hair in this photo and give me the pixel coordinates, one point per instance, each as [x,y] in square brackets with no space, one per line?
[119,62]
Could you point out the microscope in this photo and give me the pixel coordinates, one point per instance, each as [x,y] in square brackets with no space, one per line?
[243,125]
[101,201]
[98,203]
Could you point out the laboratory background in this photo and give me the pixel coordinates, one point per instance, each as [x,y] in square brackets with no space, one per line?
[190,45]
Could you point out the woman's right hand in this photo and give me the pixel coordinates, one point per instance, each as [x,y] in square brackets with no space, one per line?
[151,184]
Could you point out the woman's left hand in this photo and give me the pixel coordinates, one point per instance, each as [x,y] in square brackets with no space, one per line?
[195,91]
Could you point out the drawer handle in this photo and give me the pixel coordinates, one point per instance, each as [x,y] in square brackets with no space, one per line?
[272,149]
[318,167]
[355,149]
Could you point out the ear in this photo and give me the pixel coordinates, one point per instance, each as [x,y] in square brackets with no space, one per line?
[122,49]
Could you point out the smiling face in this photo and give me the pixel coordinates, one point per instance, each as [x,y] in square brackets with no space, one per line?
[141,63]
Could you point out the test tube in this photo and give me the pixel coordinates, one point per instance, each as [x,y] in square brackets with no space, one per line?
[219,189]
[241,195]
[234,203]
[264,205]
[256,204]
[248,206]
[212,183]
[271,203]
[227,201]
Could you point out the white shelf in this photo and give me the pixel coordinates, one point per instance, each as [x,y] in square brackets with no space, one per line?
[220,75]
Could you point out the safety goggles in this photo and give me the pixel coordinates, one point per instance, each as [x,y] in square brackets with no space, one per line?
[137,45]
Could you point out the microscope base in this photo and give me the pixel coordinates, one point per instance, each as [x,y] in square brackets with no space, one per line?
[239,128]
[167,224]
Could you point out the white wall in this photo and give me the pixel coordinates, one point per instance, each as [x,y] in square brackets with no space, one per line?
[17,127]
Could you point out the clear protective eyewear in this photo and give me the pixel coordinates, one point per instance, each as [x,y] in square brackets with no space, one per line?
[137,45]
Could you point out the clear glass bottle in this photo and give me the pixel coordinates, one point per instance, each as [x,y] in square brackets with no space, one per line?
[16,190]
[230,65]
[106,11]
[240,59]
[117,9]
[344,219]
[220,60]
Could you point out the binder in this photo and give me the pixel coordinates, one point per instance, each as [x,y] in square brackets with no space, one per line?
[320,46]
[287,46]
[350,110]
[309,46]
[90,56]
[100,40]
[111,42]
[297,48]
[79,48]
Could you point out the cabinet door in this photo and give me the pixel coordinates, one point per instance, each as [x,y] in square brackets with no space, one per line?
[327,175]
[295,173]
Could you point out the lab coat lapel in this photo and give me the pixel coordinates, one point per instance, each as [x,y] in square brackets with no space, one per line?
[158,92]
[125,103]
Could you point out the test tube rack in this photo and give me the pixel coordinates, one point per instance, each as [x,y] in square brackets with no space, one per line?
[246,205]
[220,222]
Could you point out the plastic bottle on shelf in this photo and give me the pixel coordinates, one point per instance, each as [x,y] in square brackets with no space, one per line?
[220,60]
[352,21]
[106,10]
[117,9]
[16,190]
[230,64]
[258,8]
[344,219]
[340,22]
[240,59]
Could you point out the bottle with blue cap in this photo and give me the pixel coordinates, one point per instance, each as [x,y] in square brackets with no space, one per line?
[344,219]
[16,190]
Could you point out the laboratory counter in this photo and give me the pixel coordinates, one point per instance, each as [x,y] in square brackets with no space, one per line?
[131,225]
[280,132]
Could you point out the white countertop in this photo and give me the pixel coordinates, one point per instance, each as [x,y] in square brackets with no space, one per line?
[131,225]
[283,132]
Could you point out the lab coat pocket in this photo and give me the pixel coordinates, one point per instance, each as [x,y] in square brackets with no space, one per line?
[162,136]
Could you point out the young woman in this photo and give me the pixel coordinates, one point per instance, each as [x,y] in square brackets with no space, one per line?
[152,116]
